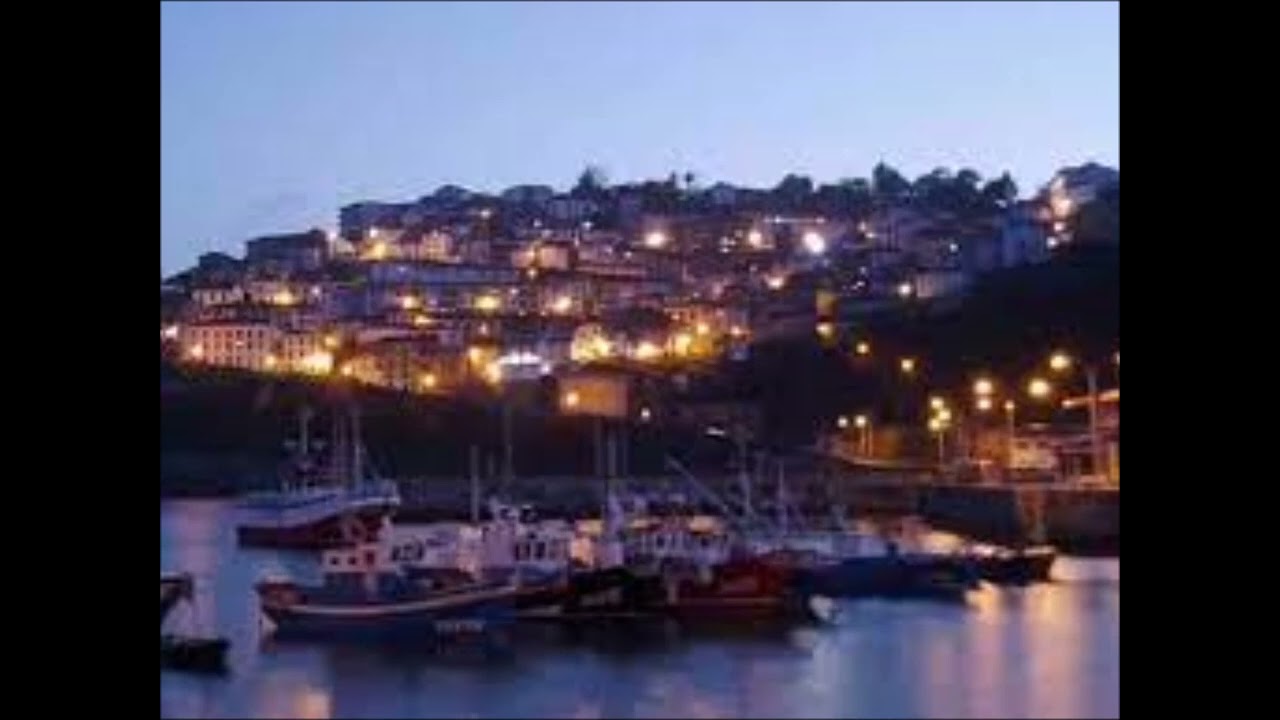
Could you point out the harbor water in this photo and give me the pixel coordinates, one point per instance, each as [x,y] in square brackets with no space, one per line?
[1048,650]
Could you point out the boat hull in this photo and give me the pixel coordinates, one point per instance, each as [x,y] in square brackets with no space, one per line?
[409,620]
[890,577]
[319,534]
[612,593]
[1017,568]
[734,591]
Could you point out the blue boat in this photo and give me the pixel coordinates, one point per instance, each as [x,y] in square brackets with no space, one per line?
[890,576]
[854,565]
[364,597]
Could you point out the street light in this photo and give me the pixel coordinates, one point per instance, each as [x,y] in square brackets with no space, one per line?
[1039,388]
[938,427]
[983,387]
[937,403]
[864,348]
[842,422]
[908,365]
[1061,362]
[984,404]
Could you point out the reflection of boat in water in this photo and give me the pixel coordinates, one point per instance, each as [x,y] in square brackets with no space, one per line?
[314,509]
[194,653]
[364,597]
[173,588]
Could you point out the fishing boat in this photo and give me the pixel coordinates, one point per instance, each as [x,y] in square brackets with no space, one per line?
[364,596]
[742,588]
[314,507]
[558,573]
[1019,566]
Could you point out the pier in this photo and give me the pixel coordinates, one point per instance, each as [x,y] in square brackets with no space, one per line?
[1077,519]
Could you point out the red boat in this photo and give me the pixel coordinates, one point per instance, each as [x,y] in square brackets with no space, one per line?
[740,588]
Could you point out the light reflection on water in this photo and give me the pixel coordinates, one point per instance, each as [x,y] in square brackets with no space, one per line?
[1049,650]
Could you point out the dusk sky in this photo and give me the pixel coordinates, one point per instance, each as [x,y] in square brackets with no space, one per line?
[273,115]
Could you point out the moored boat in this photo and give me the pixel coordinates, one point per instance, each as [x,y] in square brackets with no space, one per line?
[319,508]
[1014,566]
[363,597]
[741,588]
[558,574]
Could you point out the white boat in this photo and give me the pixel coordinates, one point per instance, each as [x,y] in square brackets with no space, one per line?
[319,510]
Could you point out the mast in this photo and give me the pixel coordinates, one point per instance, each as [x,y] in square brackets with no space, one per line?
[304,422]
[355,447]
[508,462]
[475,483]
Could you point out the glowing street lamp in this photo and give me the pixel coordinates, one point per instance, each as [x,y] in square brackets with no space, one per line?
[655,240]
[864,430]
[562,305]
[1039,388]
[842,422]
[937,403]
[862,348]
[1061,362]
[904,290]
[984,404]
[571,399]
[983,387]
[814,243]
[428,381]
[908,365]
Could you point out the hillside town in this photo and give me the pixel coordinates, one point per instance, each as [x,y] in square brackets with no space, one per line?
[460,291]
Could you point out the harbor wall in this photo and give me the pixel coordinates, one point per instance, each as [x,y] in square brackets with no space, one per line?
[1077,520]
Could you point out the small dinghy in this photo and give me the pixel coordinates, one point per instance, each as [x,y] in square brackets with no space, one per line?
[187,652]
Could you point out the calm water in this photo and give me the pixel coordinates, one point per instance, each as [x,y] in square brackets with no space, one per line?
[1050,650]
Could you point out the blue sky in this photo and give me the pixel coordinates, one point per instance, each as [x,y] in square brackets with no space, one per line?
[272,115]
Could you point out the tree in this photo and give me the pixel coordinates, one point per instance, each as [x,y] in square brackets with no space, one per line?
[888,184]
[1000,192]
[591,183]
[793,192]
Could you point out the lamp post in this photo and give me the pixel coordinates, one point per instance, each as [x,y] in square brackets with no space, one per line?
[1061,362]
